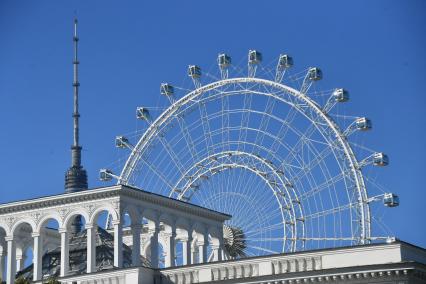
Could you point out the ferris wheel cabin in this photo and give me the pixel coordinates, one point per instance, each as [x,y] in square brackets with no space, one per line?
[121,142]
[105,175]
[254,57]
[314,74]
[223,60]
[380,159]
[363,123]
[142,113]
[390,200]
[341,95]
[285,61]
[167,89]
[194,71]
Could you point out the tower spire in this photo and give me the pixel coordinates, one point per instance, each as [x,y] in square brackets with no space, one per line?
[75,177]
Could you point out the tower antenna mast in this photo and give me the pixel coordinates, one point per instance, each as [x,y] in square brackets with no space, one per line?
[76,177]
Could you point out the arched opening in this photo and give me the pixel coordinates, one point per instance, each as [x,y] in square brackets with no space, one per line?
[160,261]
[23,244]
[109,249]
[200,244]
[73,244]
[179,252]
[132,237]
[24,260]
[51,247]
[214,251]
[182,243]
[104,247]
[194,249]
[151,239]
[161,255]
[3,252]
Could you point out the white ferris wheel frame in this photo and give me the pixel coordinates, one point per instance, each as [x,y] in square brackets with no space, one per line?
[306,108]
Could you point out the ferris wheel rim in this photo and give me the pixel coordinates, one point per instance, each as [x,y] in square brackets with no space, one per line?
[274,189]
[175,106]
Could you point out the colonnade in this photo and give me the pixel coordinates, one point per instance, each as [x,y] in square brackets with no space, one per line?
[195,239]
[154,220]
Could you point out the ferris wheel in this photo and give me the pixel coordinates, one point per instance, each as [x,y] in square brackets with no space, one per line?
[263,145]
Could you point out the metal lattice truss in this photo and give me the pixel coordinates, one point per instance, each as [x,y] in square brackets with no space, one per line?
[263,151]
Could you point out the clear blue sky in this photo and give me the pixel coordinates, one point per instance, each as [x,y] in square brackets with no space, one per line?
[375,49]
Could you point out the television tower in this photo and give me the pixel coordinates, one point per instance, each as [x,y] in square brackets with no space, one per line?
[76,176]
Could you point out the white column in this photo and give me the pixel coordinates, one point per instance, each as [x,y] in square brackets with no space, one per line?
[216,253]
[11,260]
[186,249]
[202,248]
[37,256]
[217,248]
[2,262]
[91,248]
[170,257]
[118,244]
[194,252]
[20,262]
[64,252]
[154,246]
[136,248]
[221,245]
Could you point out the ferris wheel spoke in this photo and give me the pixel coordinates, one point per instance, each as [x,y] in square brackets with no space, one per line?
[206,126]
[325,185]
[172,154]
[285,126]
[312,164]
[266,228]
[157,173]
[249,224]
[264,249]
[188,139]
[303,137]
[330,211]
[265,119]
[225,118]
[245,119]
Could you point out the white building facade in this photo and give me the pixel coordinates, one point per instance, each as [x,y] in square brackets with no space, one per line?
[160,221]
[155,221]
[397,262]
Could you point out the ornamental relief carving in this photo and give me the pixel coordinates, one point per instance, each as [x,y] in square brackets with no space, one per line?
[10,221]
[90,208]
[115,204]
[36,216]
[63,212]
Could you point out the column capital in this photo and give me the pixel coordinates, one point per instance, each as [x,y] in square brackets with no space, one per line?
[62,230]
[8,238]
[170,234]
[35,234]
[89,226]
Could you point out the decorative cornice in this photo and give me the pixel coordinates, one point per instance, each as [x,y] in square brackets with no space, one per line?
[174,204]
[364,276]
[251,273]
[108,192]
[60,199]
